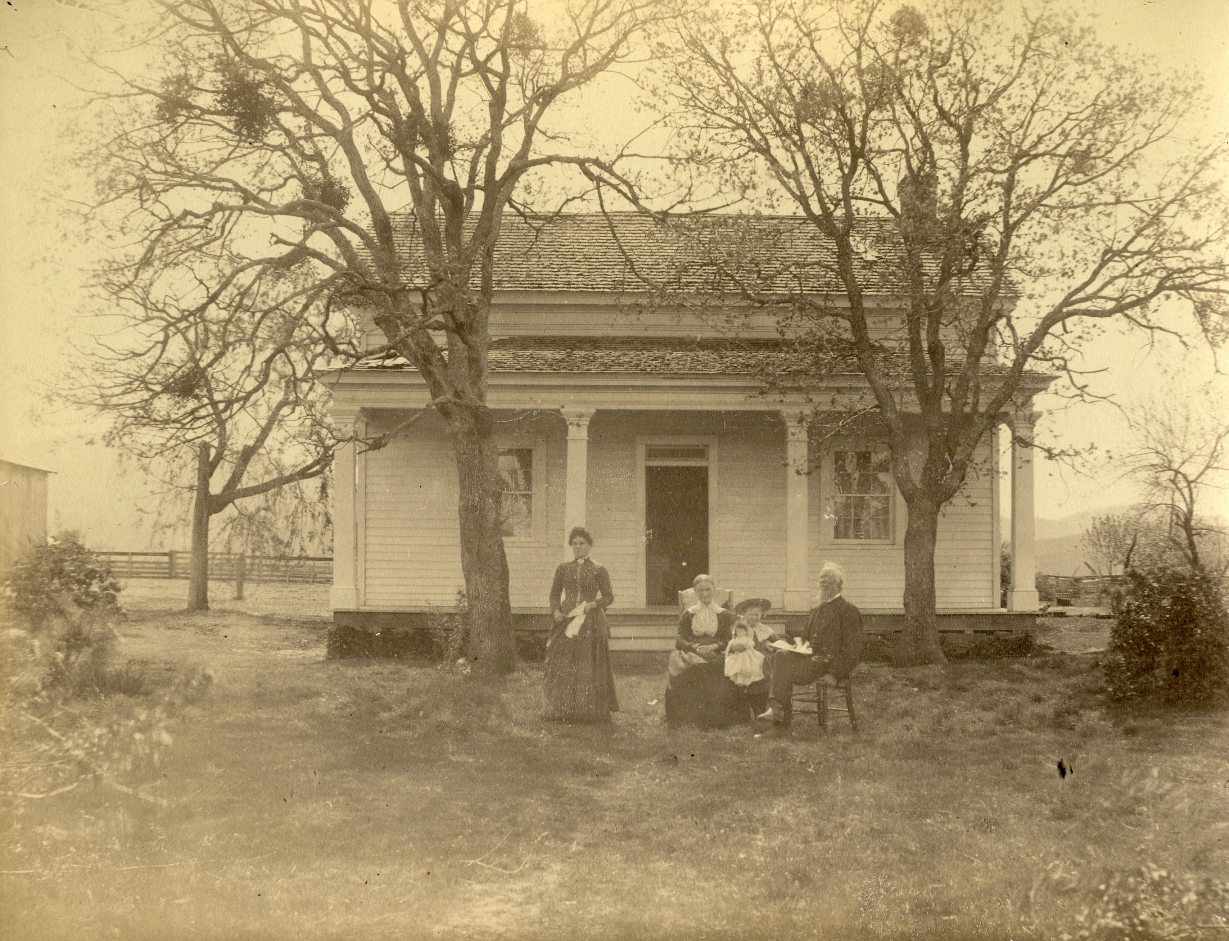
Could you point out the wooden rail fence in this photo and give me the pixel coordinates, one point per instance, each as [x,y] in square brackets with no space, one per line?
[223,566]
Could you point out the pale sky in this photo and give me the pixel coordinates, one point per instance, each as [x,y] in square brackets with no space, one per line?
[40,284]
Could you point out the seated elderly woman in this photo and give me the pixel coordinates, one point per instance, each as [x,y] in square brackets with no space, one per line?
[697,690]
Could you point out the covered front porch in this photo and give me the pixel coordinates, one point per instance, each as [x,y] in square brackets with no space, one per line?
[674,475]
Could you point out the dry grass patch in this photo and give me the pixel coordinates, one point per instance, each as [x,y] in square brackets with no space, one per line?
[367,799]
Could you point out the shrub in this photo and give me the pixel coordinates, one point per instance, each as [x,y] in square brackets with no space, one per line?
[75,718]
[1170,642]
[50,580]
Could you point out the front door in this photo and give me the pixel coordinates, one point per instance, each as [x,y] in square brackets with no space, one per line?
[676,524]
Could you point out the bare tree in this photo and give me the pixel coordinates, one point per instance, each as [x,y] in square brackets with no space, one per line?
[1111,541]
[217,392]
[381,141]
[1015,185]
[1182,453]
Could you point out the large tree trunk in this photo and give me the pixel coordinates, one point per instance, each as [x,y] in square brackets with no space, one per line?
[919,641]
[198,571]
[491,644]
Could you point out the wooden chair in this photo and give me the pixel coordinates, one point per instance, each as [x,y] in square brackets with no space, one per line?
[819,699]
[723,596]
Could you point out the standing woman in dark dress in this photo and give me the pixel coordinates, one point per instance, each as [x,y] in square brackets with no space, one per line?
[579,682]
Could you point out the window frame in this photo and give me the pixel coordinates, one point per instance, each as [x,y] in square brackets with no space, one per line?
[535,532]
[830,494]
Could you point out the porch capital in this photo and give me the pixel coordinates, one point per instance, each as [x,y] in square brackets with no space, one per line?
[578,421]
[346,417]
[797,424]
[1023,418]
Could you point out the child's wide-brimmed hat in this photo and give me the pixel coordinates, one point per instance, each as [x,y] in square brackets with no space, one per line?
[762,603]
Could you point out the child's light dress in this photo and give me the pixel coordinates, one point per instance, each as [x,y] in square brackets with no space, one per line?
[744,664]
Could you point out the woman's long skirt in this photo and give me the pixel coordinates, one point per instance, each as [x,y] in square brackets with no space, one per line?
[703,696]
[579,681]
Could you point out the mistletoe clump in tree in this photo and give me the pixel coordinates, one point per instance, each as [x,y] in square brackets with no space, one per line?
[1031,185]
[216,389]
[379,142]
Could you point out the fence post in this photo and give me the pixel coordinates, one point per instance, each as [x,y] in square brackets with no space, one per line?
[240,572]
[170,563]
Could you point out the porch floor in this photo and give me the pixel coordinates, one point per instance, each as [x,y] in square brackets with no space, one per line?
[653,629]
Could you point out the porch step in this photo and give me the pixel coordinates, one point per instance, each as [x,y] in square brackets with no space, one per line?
[643,636]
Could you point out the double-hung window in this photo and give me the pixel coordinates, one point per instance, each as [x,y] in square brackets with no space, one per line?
[516,469]
[862,495]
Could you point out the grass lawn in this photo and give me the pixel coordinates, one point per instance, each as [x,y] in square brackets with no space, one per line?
[306,798]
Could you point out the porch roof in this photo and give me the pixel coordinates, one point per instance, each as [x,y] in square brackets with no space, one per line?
[672,356]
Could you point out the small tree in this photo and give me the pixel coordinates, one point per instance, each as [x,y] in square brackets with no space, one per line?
[1111,541]
[1014,184]
[382,143]
[1170,641]
[216,388]
[1182,452]
[46,580]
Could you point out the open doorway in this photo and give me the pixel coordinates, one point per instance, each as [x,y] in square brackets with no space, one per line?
[676,523]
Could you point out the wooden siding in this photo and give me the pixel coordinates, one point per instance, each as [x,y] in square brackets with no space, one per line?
[965,553]
[23,510]
[411,543]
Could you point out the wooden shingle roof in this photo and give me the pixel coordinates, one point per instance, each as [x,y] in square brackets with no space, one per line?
[630,251]
[674,356]
[654,355]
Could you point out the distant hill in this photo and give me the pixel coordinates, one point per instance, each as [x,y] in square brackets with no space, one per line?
[1061,555]
[1059,551]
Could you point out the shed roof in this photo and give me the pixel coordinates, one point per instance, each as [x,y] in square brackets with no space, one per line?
[25,464]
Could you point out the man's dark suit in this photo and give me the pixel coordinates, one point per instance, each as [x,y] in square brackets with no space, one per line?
[835,634]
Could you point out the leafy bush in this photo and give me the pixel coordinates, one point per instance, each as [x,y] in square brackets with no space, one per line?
[50,580]
[1151,904]
[1170,642]
[71,713]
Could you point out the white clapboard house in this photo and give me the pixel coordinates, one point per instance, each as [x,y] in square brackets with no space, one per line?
[648,424]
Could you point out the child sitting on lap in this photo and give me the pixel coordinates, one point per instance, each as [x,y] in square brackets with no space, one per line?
[744,658]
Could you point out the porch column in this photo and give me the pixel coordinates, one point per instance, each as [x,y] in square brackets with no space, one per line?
[344,595]
[797,513]
[1023,593]
[578,470]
